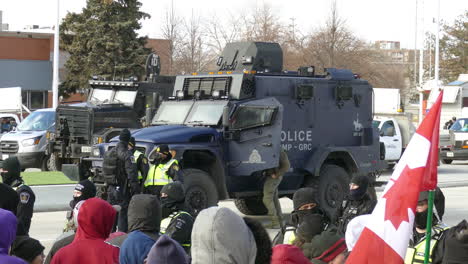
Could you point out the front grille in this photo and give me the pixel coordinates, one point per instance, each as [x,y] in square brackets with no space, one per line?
[9,146]
[207,84]
[458,144]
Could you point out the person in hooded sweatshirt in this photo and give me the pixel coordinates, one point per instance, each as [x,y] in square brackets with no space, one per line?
[84,190]
[11,175]
[28,249]
[177,222]
[7,236]
[95,221]
[67,238]
[167,251]
[357,203]
[144,218]
[305,206]
[220,236]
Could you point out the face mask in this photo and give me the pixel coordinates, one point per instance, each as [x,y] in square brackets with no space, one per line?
[357,194]
[420,220]
[298,216]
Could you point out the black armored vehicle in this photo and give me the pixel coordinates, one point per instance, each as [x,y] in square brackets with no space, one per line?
[228,126]
[110,107]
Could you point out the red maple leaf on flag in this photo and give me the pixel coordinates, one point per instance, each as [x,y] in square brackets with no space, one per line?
[398,201]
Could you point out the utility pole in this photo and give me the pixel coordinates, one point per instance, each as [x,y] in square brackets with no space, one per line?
[436,66]
[55,79]
[421,62]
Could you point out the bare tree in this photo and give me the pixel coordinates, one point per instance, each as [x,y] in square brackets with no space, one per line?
[194,55]
[262,25]
[221,32]
[171,31]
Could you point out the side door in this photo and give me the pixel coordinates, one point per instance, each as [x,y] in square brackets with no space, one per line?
[391,139]
[255,128]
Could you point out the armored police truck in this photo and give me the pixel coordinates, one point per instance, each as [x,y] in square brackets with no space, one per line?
[110,107]
[228,126]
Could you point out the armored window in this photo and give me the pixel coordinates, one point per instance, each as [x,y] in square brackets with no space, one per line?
[206,84]
[304,91]
[252,116]
[343,92]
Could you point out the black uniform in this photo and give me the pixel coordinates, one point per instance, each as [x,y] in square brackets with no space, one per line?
[120,173]
[357,203]
[11,176]
[352,208]
[141,162]
[177,221]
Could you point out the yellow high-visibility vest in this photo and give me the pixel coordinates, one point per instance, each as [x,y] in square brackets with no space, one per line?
[416,254]
[136,156]
[289,235]
[157,175]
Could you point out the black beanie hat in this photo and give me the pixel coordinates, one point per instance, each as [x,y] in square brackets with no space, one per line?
[13,167]
[304,196]
[439,200]
[131,142]
[27,248]
[362,181]
[125,135]
[175,191]
[262,240]
[87,188]
[164,149]
[310,227]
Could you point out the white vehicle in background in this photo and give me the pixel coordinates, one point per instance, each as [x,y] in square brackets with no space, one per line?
[11,109]
[395,134]
[28,142]
[396,128]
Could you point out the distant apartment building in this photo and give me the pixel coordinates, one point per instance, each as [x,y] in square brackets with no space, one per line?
[395,54]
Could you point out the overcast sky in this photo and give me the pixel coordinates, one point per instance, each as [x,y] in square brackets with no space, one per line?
[369,19]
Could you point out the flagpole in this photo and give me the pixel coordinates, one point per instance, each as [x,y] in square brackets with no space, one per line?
[430,204]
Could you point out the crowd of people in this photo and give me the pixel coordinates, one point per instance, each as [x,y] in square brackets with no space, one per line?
[145,220]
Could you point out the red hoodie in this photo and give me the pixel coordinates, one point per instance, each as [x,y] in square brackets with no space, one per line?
[288,254]
[95,220]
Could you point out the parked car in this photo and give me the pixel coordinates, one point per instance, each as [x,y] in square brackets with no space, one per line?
[28,141]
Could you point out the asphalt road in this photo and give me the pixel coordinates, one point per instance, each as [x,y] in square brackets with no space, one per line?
[46,226]
[56,197]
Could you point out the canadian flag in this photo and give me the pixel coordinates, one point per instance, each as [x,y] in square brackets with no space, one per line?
[385,238]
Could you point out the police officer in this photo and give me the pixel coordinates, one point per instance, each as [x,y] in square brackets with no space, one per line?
[270,190]
[177,221]
[305,207]
[10,171]
[417,244]
[120,173]
[358,202]
[163,170]
[140,160]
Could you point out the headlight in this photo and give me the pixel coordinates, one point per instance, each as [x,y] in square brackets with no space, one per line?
[97,140]
[96,152]
[31,141]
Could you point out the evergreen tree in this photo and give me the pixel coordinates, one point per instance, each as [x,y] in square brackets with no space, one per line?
[102,40]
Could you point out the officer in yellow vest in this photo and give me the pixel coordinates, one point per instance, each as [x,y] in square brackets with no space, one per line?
[177,222]
[163,170]
[141,161]
[417,245]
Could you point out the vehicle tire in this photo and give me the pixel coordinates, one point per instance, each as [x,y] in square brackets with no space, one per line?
[447,161]
[200,190]
[251,205]
[54,164]
[332,188]
[45,163]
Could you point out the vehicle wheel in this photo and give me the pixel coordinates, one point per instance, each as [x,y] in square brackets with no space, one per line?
[200,190]
[251,206]
[333,186]
[54,163]
[45,163]
[447,161]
